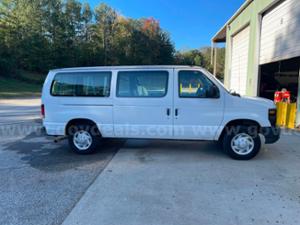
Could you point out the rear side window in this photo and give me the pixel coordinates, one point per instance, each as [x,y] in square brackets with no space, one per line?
[88,84]
[142,84]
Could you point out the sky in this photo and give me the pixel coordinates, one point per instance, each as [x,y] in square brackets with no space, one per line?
[190,23]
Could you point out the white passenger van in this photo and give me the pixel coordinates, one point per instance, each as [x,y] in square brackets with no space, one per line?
[156,102]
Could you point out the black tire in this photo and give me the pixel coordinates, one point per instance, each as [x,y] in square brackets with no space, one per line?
[87,129]
[250,134]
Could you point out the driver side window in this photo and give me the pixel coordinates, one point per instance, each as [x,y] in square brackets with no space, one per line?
[194,84]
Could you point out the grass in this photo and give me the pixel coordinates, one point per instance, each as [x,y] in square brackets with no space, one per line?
[10,88]
[31,77]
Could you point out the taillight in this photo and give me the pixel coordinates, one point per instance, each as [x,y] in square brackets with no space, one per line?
[43,110]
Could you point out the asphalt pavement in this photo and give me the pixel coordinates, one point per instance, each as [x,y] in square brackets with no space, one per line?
[41,181]
[19,110]
[136,182]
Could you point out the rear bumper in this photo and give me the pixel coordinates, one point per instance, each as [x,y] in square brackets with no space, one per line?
[271,134]
[54,129]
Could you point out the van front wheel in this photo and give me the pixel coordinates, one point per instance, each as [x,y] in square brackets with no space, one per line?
[241,143]
[83,139]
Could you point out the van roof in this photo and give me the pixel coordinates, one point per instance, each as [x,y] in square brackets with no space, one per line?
[124,68]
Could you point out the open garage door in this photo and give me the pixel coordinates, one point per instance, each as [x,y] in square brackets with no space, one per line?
[239,61]
[280,32]
[280,75]
[280,49]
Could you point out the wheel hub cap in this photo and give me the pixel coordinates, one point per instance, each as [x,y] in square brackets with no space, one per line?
[82,140]
[242,144]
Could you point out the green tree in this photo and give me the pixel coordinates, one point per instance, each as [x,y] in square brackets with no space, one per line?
[191,57]
[206,52]
[106,18]
[202,58]
[87,16]
[38,35]
[85,43]
[22,33]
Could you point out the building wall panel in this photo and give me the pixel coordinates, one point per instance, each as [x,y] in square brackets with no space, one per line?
[280,32]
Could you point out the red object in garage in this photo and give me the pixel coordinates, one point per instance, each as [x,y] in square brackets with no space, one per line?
[286,96]
[282,96]
[278,96]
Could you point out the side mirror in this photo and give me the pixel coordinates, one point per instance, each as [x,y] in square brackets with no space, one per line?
[213,92]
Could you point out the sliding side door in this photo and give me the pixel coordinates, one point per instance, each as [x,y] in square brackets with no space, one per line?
[143,104]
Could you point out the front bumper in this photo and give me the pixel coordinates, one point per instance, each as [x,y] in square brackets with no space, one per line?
[271,134]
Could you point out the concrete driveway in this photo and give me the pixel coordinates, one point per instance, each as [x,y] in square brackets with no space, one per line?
[144,182]
[159,182]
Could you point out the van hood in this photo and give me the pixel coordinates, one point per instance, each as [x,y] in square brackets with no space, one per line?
[260,101]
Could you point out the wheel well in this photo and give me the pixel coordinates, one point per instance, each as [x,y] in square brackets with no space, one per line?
[240,122]
[80,121]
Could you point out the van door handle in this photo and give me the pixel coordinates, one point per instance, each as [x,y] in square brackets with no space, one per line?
[168,111]
[176,112]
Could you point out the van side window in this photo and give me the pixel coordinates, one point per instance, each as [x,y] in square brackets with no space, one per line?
[194,84]
[86,84]
[142,84]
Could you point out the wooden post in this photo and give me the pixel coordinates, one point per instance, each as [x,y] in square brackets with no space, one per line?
[298,104]
[215,61]
[212,53]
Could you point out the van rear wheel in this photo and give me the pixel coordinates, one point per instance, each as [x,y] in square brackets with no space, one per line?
[241,143]
[83,138]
